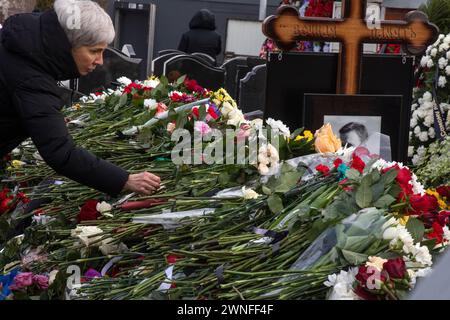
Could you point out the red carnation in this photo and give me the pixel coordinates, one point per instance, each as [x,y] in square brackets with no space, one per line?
[323,169]
[396,268]
[88,211]
[213,113]
[358,164]
[437,233]
[195,112]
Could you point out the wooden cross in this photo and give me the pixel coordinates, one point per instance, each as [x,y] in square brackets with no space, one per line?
[286,27]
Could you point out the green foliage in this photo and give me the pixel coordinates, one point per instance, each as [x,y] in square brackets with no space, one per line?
[438,12]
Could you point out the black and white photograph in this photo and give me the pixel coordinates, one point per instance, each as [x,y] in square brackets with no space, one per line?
[356,131]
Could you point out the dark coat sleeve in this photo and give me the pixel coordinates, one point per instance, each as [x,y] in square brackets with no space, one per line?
[184,43]
[38,106]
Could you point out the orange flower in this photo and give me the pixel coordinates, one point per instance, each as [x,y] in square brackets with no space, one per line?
[326,141]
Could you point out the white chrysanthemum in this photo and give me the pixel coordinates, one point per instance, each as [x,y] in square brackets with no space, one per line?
[410,151]
[424,61]
[124,81]
[442,81]
[434,52]
[418,188]
[342,285]
[423,136]
[443,62]
[427,97]
[279,126]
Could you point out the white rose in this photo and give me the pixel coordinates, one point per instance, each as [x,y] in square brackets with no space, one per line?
[52,276]
[263,169]
[249,193]
[226,109]
[433,53]
[87,234]
[103,207]
[376,262]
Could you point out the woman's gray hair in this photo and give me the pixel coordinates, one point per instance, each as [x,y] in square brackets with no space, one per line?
[84,22]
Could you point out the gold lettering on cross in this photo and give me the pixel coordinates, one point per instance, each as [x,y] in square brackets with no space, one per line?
[286,28]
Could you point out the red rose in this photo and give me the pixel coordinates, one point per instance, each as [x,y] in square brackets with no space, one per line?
[422,204]
[396,268]
[173,258]
[6,204]
[323,169]
[364,294]
[358,164]
[444,191]
[128,89]
[88,211]
[4,194]
[337,162]
[437,233]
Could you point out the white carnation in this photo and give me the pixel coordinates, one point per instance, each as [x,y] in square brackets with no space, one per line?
[124,81]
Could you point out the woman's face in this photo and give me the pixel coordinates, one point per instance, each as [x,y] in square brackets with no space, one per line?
[88,57]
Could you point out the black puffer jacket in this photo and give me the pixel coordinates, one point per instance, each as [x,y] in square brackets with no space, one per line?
[34,54]
[202,37]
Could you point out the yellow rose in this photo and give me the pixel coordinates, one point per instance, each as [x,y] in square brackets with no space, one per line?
[326,141]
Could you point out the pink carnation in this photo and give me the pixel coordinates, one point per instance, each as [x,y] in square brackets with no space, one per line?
[202,127]
[41,281]
[22,280]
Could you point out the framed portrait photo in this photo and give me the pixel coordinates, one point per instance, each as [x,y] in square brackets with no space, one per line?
[376,122]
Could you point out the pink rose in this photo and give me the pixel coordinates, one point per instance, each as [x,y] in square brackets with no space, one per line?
[22,280]
[41,281]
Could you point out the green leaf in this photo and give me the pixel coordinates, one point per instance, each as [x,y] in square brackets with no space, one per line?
[389,176]
[353,174]
[275,203]
[354,258]
[296,133]
[377,190]
[202,112]
[180,80]
[364,195]
[385,201]
[266,190]
[416,228]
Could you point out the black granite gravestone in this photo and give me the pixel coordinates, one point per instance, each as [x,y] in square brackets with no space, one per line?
[209,77]
[252,89]
[158,63]
[231,68]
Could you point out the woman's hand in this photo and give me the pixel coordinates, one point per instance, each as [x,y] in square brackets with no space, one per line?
[144,182]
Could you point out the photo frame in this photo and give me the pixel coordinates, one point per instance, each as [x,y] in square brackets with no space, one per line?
[359,117]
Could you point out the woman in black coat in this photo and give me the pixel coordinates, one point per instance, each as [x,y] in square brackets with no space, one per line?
[202,36]
[36,51]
